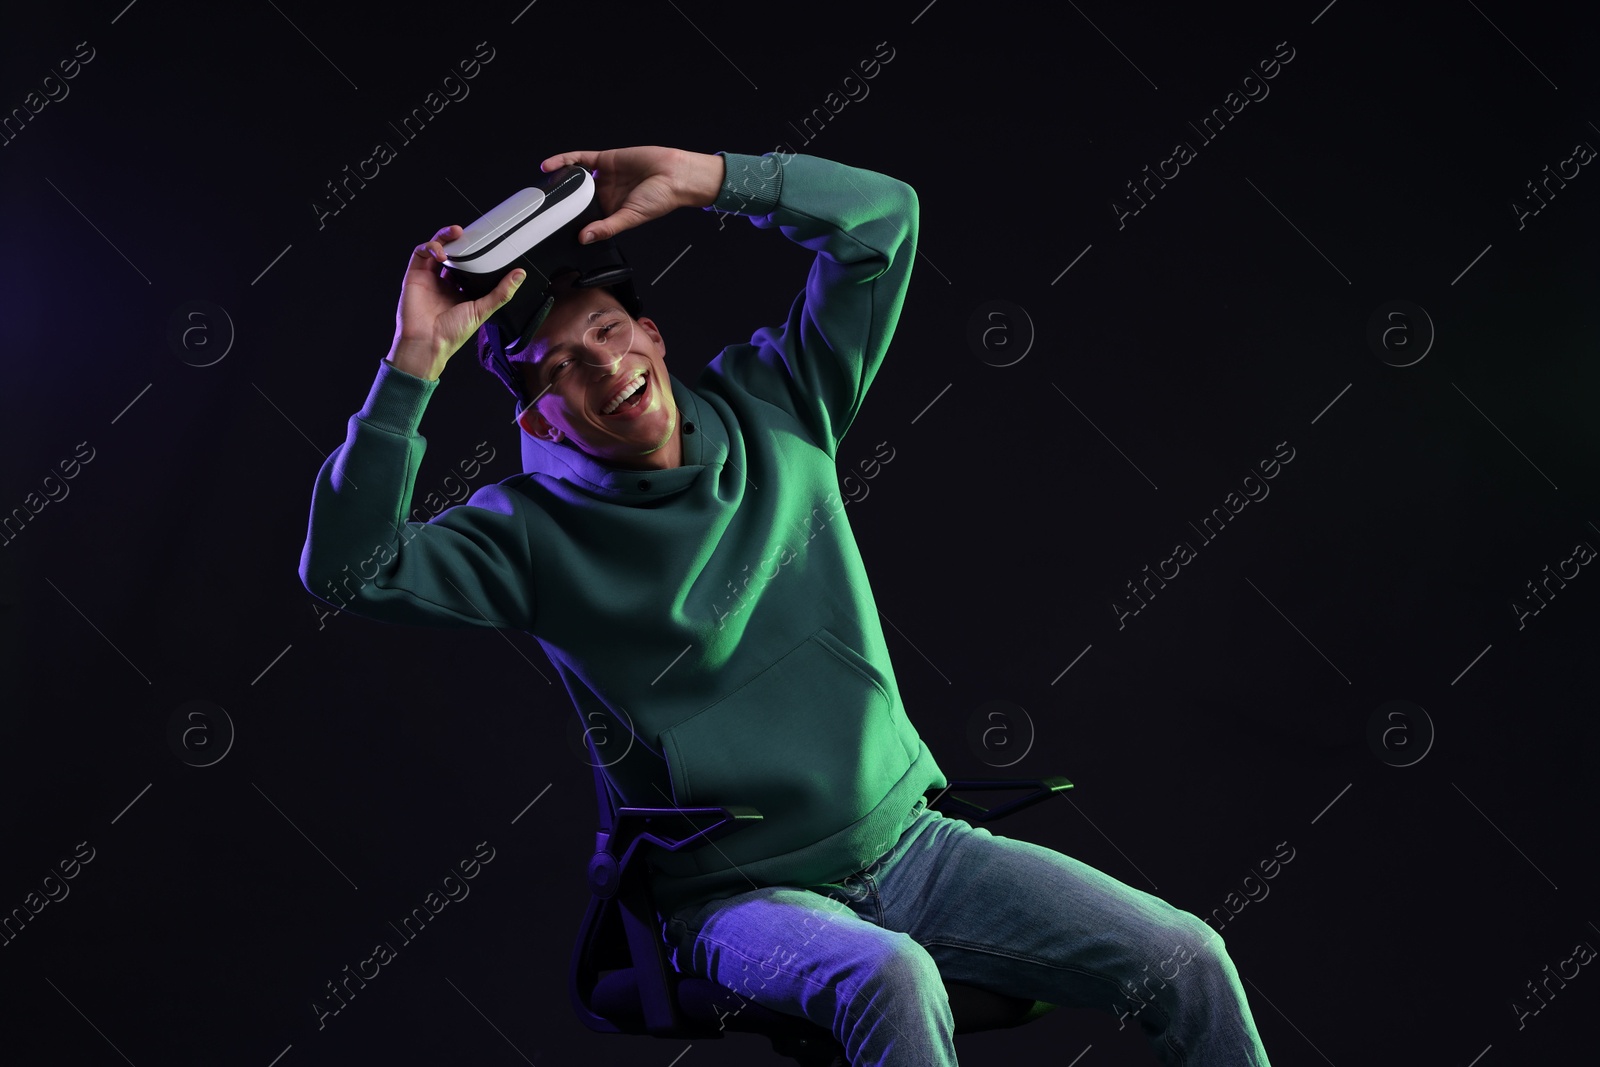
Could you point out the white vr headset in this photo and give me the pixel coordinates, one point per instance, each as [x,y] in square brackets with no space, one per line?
[537,229]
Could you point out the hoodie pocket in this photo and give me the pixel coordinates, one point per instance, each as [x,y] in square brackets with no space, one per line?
[810,742]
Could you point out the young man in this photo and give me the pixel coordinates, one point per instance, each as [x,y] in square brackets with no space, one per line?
[683,556]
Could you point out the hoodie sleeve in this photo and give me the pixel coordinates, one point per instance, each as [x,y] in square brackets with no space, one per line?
[863,227]
[470,565]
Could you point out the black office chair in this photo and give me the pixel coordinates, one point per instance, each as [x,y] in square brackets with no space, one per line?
[622,981]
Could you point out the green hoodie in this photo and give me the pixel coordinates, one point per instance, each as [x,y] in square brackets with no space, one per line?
[714,618]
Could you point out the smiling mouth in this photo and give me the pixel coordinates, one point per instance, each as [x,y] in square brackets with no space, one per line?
[630,397]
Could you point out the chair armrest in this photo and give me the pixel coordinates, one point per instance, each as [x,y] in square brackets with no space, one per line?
[632,827]
[654,824]
[1043,789]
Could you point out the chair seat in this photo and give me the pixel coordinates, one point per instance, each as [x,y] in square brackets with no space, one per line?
[709,1007]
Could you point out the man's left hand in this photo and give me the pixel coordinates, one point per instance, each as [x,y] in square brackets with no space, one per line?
[636,185]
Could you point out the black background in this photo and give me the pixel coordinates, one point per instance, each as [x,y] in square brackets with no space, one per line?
[1231,314]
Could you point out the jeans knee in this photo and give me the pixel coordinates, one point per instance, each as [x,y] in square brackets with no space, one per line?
[900,968]
[893,996]
[1190,944]
[1197,931]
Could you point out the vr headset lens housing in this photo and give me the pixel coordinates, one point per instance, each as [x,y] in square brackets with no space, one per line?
[536,228]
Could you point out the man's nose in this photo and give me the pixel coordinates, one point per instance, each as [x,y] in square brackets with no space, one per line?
[603,363]
[603,356]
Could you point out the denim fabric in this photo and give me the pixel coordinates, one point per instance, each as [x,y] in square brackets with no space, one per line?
[866,958]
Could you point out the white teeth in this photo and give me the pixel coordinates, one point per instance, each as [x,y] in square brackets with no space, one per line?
[625,394]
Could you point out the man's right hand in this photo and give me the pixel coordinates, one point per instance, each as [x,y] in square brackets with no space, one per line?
[433,320]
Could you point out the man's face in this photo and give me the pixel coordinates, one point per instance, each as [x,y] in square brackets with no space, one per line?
[585,356]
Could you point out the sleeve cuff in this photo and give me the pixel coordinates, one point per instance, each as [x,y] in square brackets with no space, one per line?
[397,400]
[751,184]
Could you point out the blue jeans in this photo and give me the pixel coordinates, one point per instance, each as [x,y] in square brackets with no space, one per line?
[865,958]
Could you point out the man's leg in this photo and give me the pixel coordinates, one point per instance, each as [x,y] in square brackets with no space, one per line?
[1025,920]
[809,954]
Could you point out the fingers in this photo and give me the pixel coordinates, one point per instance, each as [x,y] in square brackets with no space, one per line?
[434,249]
[625,218]
[587,160]
[487,305]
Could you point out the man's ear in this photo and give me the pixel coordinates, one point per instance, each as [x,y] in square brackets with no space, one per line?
[648,325]
[537,425]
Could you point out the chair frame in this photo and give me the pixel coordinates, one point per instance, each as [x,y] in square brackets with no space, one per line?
[620,978]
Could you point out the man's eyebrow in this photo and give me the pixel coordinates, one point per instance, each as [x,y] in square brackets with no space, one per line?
[562,345]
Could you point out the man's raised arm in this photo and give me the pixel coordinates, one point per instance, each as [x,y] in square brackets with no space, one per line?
[469,566]
[863,227]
